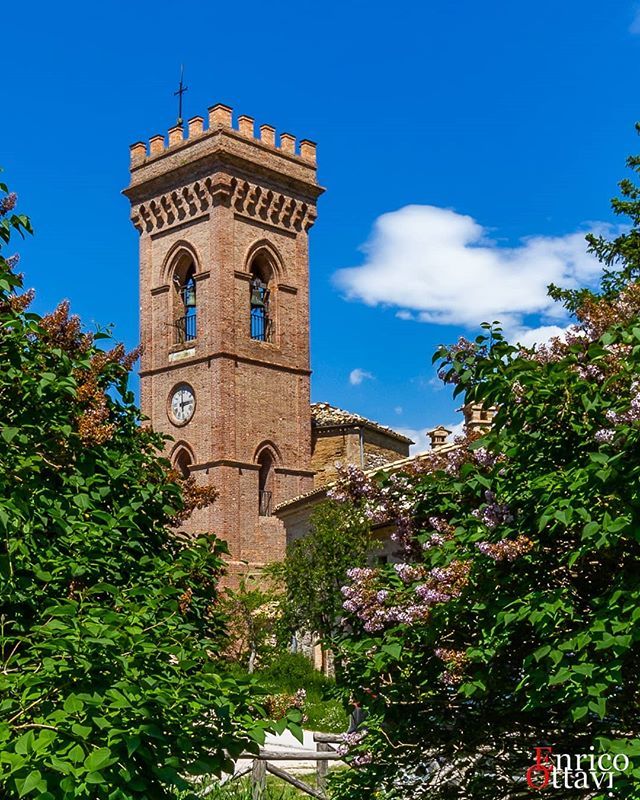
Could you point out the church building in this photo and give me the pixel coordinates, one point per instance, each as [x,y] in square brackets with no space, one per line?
[224,217]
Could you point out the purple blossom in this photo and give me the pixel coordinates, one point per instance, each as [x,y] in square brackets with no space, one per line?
[360,573]
[484,458]
[631,415]
[506,549]
[590,372]
[484,548]
[12,261]
[8,203]
[354,485]
[518,392]
[353,739]
[408,572]
[430,596]
[404,530]
[604,436]
[435,540]
[439,524]
[492,514]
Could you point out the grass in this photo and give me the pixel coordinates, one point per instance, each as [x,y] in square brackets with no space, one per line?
[241,789]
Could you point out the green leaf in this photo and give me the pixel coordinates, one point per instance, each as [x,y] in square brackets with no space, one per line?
[579,712]
[66,610]
[599,706]
[76,754]
[33,781]
[9,434]
[83,731]
[98,759]
[73,704]
[297,731]
[590,529]
[394,650]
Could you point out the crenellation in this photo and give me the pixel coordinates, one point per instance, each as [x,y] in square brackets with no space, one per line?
[308,150]
[268,135]
[220,119]
[220,115]
[156,144]
[246,126]
[196,127]
[138,152]
[176,135]
[288,143]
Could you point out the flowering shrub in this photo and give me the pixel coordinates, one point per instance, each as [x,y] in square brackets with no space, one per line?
[512,620]
[277,705]
[109,622]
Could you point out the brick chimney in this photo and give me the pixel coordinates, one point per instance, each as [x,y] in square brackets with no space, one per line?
[477,418]
[438,436]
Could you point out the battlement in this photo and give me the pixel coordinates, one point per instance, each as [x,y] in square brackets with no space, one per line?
[220,119]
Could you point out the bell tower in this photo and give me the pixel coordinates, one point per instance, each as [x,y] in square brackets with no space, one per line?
[223,218]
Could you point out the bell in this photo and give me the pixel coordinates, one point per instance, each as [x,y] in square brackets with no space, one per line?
[190,296]
[257,294]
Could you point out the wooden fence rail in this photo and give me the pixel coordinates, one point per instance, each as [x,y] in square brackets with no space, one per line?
[322,755]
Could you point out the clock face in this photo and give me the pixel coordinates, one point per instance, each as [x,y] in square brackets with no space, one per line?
[183,404]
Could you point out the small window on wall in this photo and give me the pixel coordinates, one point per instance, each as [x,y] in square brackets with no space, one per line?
[185,303]
[261,322]
[265,484]
[182,463]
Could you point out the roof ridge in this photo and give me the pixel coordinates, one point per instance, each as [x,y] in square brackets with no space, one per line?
[344,417]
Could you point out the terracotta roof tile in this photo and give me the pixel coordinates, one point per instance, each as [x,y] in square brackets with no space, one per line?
[326,415]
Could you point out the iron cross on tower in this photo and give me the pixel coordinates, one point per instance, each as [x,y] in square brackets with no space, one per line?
[181,90]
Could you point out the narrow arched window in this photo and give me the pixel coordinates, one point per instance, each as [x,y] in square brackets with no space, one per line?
[182,463]
[185,301]
[265,483]
[262,326]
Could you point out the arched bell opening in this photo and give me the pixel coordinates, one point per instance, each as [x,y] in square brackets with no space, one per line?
[262,319]
[182,463]
[266,481]
[185,300]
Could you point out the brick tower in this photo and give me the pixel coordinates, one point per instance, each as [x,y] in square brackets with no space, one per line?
[223,219]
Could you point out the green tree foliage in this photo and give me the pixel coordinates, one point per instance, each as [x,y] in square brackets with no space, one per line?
[315,568]
[513,621]
[108,620]
[254,621]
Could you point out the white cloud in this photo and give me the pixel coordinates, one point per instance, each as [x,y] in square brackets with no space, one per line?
[534,336]
[421,435]
[438,266]
[635,24]
[356,376]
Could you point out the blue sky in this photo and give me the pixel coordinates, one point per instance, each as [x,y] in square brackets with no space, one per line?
[465,147]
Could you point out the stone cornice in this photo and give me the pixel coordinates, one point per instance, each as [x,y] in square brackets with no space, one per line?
[224,354]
